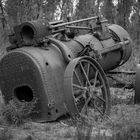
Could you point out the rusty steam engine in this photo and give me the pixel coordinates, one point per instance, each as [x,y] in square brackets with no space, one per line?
[63,68]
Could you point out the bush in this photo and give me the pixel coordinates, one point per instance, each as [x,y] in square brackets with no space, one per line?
[16,112]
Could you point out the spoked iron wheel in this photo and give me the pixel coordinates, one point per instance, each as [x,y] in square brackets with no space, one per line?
[86,88]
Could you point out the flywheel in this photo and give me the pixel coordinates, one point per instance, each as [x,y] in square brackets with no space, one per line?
[86,88]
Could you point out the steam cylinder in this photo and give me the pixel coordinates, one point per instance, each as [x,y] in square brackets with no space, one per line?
[30,73]
[111,59]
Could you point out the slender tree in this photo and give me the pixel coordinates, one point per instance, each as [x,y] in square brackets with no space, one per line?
[135,19]
[123,12]
[3,30]
[85,8]
[109,11]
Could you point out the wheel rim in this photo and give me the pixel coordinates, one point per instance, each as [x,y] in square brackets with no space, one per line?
[88,87]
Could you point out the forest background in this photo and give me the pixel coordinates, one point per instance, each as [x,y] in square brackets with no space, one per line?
[123,12]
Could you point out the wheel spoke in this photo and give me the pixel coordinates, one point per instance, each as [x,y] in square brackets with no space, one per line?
[98,110]
[77,77]
[88,68]
[77,92]
[79,87]
[99,87]
[95,80]
[78,97]
[100,98]
[85,105]
[85,74]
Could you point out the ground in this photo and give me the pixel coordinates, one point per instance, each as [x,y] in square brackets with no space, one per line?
[122,124]
[124,119]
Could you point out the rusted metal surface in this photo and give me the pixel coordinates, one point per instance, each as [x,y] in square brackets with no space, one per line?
[39,70]
[65,73]
[122,35]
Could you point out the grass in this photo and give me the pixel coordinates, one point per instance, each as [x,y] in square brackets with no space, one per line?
[16,112]
[122,124]
[5,134]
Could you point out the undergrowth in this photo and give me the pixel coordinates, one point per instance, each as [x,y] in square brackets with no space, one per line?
[16,112]
[122,124]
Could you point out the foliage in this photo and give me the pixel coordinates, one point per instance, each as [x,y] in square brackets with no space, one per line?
[122,12]
[16,112]
[109,11]
[89,7]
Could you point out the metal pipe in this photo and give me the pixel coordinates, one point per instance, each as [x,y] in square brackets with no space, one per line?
[73,22]
[58,31]
[122,72]
[79,27]
[114,47]
[56,22]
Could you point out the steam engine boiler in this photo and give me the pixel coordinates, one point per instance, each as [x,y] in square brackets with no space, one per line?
[63,69]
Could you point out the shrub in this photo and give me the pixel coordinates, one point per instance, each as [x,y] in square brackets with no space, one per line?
[16,112]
